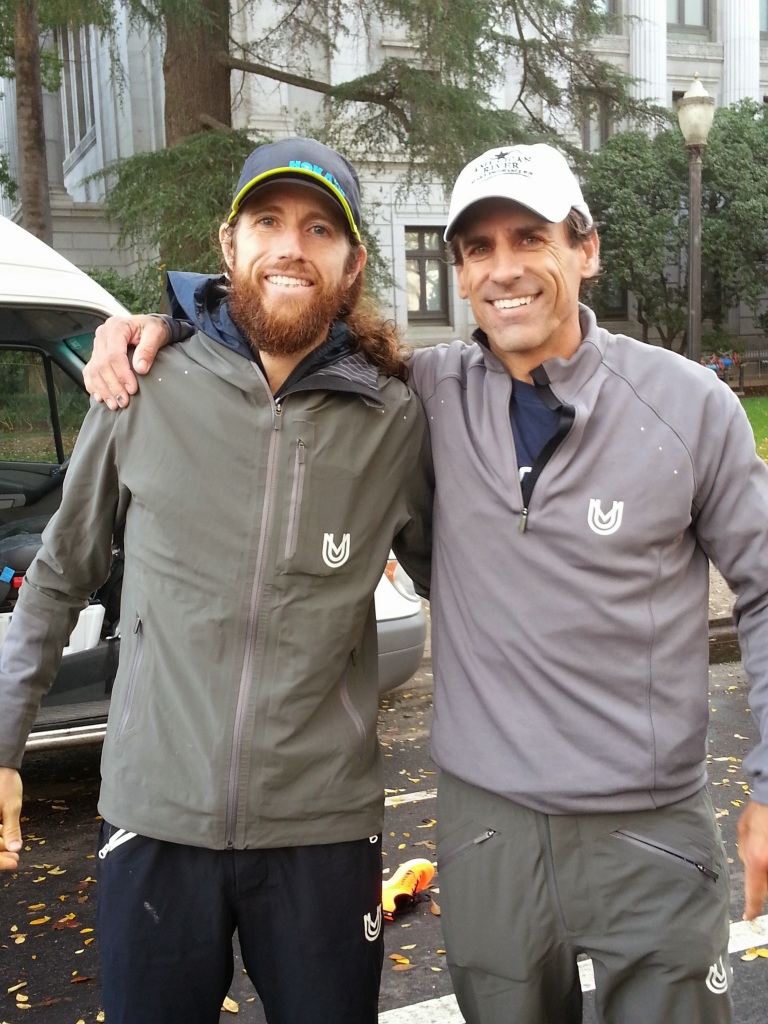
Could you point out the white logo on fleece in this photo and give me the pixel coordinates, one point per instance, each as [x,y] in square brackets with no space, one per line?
[604,523]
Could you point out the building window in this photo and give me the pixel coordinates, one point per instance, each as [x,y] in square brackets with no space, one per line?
[595,126]
[426,270]
[764,17]
[688,14]
[610,303]
[76,86]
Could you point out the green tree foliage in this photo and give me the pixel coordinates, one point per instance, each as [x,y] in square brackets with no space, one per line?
[435,103]
[431,103]
[637,189]
[173,200]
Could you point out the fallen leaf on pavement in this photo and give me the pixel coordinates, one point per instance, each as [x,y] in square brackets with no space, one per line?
[435,909]
[229,1006]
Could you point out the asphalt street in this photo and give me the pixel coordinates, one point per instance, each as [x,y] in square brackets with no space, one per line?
[49,966]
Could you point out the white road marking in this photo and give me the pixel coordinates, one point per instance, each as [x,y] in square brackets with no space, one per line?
[744,935]
[410,798]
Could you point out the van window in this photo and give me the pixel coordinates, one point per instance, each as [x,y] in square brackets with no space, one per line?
[35,393]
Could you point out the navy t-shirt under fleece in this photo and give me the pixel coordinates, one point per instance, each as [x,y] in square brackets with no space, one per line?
[533,424]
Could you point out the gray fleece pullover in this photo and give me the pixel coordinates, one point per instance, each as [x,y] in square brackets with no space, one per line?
[571,658]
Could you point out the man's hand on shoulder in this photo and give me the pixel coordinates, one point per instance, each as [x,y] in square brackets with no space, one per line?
[10,814]
[753,851]
[108,375]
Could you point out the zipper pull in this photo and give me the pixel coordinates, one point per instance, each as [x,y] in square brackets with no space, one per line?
[489,834]
[278,414]
[523,520]
[706,871]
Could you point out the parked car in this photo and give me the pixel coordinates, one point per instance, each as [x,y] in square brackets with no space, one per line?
[49,312]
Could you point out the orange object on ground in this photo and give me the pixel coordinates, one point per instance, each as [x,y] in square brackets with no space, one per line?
[398,892]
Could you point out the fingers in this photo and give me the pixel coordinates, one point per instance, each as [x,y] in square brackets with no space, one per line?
[753,851]
[10,815]
[108,376]
[154,335]
[755,892]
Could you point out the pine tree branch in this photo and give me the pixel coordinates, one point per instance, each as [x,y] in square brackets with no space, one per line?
[346,92]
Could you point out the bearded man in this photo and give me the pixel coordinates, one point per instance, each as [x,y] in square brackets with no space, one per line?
[257,485]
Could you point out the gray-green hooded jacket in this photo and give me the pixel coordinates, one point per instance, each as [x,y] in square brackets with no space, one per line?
[244,709]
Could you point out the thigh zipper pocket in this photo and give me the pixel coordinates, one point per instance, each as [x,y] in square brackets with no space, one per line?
[443,862]
[666,851]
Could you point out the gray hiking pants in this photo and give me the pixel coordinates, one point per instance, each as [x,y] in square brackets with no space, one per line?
[644,894]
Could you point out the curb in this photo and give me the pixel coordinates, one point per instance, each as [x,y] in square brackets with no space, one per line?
[723,641]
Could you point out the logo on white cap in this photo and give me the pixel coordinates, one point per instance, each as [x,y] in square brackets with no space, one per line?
[537,177]
[503,161]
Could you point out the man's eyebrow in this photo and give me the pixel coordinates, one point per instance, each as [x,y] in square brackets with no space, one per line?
[474,239]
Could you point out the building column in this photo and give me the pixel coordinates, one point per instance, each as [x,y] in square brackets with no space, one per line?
[54,142]
[741,51]
[647,30]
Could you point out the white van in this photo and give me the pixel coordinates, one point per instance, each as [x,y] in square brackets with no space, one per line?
[49,311]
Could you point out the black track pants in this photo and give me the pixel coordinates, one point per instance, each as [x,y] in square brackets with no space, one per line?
[643,894]
[308,920]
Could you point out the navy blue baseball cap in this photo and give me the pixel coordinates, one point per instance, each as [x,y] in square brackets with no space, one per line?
[304,160]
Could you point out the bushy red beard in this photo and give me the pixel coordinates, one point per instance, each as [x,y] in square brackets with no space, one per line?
[287,327]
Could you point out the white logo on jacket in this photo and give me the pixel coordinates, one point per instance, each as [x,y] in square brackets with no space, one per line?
[717,978]
[372,925]
[601,522]
[335,555]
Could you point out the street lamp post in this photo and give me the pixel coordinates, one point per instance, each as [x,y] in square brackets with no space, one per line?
[695,111]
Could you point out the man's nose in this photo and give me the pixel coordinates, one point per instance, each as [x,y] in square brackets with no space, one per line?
[290,246]
[506,264]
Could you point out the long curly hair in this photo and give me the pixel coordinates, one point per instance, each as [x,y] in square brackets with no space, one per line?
[378,338]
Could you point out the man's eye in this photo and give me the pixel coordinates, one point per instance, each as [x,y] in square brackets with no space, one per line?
[319,229]
[266,222]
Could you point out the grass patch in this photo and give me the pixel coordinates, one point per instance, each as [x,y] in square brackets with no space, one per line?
[757,413]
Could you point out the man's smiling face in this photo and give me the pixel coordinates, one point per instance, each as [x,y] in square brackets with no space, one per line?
[291,266]
[522,276]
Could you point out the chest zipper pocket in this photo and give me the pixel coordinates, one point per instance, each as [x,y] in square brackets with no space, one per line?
[131,685]
[297,491]
[462,848]
[665,851]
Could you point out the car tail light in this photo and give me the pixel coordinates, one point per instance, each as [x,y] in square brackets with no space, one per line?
[400,580]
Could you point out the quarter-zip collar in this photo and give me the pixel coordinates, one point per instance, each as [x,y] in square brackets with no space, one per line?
[567,376]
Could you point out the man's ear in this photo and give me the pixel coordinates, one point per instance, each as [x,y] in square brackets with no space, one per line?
[459,268]
[227,248]
[591,250]
[355,270]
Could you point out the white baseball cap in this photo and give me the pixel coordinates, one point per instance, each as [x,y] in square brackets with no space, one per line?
[537,177]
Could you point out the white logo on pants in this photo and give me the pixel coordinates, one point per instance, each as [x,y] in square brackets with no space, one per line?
[373,925]
[601,522]
[335,555]
[717,978]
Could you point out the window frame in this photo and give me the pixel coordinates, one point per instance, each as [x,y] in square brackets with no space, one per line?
[681,26]
[422,253]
